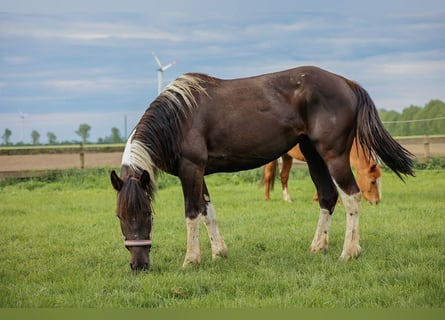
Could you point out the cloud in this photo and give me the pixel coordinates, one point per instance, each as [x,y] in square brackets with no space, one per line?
[94,85]
[74,28]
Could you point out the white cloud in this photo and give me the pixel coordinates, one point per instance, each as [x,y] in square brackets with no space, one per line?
[95,85]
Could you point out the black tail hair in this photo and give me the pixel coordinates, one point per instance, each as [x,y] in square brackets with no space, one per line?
[373,136]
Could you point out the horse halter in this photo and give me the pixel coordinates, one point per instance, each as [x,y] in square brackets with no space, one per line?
[137,243]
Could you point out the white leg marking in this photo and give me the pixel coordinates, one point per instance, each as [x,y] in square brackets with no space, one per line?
[193,255]
[351,246]
[219,248]
[321,238]
[286,195]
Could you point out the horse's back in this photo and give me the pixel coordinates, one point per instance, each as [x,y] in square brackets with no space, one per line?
[247,122]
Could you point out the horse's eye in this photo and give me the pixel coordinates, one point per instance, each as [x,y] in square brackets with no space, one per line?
[373,182]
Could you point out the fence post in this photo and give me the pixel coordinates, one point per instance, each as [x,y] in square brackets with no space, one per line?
[426,146]
[82,156]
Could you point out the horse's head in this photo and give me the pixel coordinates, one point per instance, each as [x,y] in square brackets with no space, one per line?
[368,181]
[135,216]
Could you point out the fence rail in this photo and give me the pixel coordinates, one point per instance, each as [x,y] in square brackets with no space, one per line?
[72,149]
[32,161]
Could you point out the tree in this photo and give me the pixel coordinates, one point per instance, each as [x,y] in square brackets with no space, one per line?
[6,136]
[115,135]
[84,132]
[52,139]
[35,137]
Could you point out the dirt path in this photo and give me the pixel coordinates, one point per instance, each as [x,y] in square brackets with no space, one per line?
[23,165]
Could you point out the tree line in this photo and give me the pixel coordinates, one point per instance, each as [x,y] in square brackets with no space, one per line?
[412,121]
[83,132]
[415,120]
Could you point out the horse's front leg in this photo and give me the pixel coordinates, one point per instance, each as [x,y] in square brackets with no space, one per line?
[219,248]
[193,254]
[192,188]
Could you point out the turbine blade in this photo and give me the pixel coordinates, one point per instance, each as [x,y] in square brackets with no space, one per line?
[168,66]
[157,59]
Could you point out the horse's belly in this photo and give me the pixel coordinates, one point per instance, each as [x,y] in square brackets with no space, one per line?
[233,163]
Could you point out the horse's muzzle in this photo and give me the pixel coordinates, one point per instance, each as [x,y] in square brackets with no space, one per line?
[139,250]
[139,266]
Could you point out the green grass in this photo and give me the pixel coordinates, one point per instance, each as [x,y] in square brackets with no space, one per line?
[62,247]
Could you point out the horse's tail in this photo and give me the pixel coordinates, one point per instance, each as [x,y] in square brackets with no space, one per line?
[373,136]
[271,166]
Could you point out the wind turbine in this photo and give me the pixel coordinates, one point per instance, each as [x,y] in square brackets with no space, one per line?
[23,116]
[161,70]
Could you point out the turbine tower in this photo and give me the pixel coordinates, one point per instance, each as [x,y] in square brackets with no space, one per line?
[161,70]
[23,116]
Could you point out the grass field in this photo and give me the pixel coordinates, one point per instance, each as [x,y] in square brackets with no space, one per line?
[62,247]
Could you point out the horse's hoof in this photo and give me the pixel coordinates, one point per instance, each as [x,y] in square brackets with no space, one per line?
[221,254]
[191,262]
[351,253]
[317,249]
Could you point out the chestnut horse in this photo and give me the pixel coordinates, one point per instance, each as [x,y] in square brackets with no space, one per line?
[368,173]
[200,125]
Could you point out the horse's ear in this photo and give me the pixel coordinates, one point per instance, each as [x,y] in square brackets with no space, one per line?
[116,181]
[145,180]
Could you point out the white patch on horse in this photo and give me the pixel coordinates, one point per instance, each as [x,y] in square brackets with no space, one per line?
[351,246]
[321,237]
[286,195]
[193,255]
[137,156]
[219,248]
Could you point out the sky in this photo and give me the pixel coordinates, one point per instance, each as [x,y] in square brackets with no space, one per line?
[64,63]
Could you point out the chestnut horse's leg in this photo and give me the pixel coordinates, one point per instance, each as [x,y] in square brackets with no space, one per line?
[219,248]
[285,170]
[327,194]
[269,177]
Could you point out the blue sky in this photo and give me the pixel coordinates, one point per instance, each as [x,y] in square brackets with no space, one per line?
[63,63]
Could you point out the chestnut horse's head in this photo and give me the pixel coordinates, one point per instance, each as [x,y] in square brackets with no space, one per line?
[135,215]
[368,180]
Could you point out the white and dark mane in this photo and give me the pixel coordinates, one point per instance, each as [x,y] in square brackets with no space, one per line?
[154,142]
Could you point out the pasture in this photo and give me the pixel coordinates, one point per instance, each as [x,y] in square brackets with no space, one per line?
[62,246]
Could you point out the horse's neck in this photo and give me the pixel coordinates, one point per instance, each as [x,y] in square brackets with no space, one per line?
[296,153]
[360,158]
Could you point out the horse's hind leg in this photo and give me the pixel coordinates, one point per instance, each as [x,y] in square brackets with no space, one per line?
[351,195]
[327,194]
[285,170]
[219,248]
[269,177]
[351,246]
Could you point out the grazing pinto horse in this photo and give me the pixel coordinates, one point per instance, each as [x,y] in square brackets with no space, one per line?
[200,125]
[368,173]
